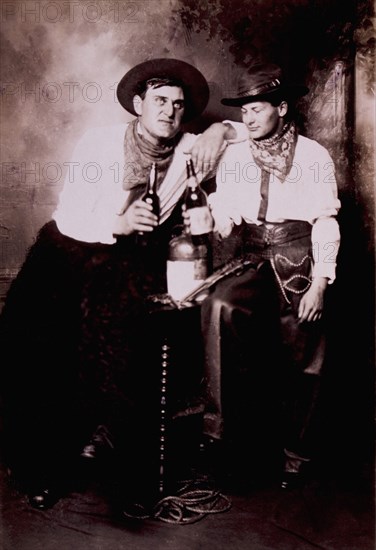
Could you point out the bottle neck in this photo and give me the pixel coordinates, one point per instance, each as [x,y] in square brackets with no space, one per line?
[192,183]
[153,178]
[191,176]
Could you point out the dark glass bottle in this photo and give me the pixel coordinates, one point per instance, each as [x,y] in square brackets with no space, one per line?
[150,197]
[196,202]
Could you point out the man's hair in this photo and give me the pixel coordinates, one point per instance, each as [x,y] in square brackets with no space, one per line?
[157,83]
[276,98]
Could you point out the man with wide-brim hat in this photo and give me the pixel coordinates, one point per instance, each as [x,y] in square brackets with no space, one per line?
[156,135]
[277,189]
[193,83]
[87,304]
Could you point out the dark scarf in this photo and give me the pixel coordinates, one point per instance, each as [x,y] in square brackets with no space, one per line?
[139,155]
[275,155]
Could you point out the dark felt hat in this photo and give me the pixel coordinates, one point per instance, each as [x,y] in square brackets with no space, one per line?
[260,82]
[195,87]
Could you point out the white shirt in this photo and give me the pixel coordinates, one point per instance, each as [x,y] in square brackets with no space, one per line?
[309,193]
[93,192]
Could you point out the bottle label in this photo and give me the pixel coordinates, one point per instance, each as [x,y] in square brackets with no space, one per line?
[200,220]
[185,276]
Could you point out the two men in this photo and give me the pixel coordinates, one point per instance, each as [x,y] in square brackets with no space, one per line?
[76,312]
[78,304]
[277,189]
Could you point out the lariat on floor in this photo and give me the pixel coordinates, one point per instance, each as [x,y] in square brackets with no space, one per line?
[191,503]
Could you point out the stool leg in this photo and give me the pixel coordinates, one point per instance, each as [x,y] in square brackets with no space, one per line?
[165,356]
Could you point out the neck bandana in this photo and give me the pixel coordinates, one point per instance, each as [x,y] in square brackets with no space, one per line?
[139,154]
[275,154]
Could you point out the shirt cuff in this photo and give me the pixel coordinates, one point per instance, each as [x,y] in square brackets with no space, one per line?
[325,270]
[241,131]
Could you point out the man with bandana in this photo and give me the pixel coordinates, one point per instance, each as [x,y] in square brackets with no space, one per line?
[276,191]
[85,282]
[97,207]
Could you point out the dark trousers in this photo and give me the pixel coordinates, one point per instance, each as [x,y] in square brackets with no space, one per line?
[39,328]
[250,326]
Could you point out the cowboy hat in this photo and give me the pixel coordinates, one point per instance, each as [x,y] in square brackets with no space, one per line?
[195,87]
[260,82]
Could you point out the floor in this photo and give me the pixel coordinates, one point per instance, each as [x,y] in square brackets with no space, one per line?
[330,512]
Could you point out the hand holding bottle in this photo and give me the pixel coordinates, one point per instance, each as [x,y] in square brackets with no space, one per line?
[187,219]
[138,217]
[142,215]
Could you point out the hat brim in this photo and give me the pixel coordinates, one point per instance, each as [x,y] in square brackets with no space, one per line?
[195,87]
[293,91]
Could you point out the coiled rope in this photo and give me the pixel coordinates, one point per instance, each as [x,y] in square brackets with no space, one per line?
[190,504]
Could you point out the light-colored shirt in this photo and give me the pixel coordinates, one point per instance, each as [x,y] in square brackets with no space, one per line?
[309,193]
[93,193]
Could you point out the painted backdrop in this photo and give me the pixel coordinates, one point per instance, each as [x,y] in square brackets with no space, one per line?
[60,64]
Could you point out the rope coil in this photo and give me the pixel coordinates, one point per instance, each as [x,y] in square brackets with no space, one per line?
[188,505]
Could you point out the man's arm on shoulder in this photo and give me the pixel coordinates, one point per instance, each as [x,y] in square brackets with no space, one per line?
[210,145]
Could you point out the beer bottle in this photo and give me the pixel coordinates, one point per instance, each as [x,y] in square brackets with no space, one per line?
[196,203]
[151,197]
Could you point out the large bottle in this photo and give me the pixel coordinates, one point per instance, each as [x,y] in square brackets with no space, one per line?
[151,197]
[190,256]
[188,265]
[196,203]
